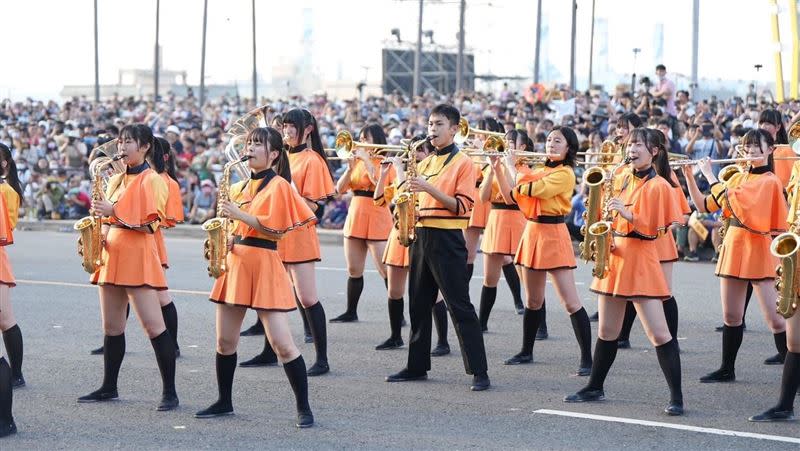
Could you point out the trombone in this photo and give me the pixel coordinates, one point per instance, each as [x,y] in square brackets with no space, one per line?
[688,162]
[464,131]
[345,144]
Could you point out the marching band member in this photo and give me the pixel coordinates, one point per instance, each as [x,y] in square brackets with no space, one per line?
[395,257]
[10,375]
[134,206]
[753,203]
[503,230]
[265,208]
[480,211]
[545,198]
[367,226]
[645,207]
[445,185]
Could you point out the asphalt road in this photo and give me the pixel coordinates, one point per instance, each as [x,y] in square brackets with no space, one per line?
[353,406]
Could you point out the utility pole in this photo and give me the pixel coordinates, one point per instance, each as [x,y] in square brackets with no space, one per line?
[572,47]
[156,69]
[203,57]
[538,41]
[418,54]
[591,47]
[695,41]
[96,59]
[255,74]
[460,61]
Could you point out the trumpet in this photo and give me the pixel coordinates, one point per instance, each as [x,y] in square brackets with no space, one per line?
[688,162]
[345,142]
[464,131]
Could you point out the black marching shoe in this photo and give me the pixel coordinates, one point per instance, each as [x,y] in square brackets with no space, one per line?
[260,360]
[586,395]
[304,420]
[405,375]
[17,382]
[773,414]
[97,351]
[674,409]
[721,375]
[584,371]
[594,318]
[480,382]
[519,359]
[440,350]
[623,344]
[318,369]
[99,396]
[168,402]
[255,329]
[777,359]
[519,307]
[7,428]
[345,317]
[217,409]
[391,343]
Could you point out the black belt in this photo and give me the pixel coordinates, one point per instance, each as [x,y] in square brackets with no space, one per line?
[548,219]
[636,236]
[503,206]
[256,242]
[733,222]
[363,193]
[478,184]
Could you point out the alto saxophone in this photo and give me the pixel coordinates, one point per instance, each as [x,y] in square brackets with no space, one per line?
[90,245]
[594,178]
[215,247]
[406,214]
[785,246]
[600,232]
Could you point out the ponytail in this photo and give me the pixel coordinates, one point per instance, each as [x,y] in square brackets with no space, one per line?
[156,156]
[169,158]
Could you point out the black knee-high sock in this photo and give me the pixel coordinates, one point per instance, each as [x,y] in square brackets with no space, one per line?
[731,341]
[790,381]
[164,346]
[627,322]
[113,353]
[303,316]
[470,270]
[316,319]
[583,333]
[531,319]
[296,373]
[604,354]
[268,353]
[512,279]
[671,314]
[396,317]
[6,392]
[226,366]
[780,344]
[128,311]
[543,325]
[488,296]
[12,338]
[355,285]
[170,314]
[440,321]
[747,299]
[669,358]
[386,282]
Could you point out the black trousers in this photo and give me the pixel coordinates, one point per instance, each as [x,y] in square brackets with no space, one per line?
[439,262]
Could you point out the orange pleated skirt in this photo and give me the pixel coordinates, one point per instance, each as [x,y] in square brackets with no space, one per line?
[666,248]
[395,254]
[131,261]
[635,272]
[6,275]
[545,247]
[480,211]
[162,247]
[367,221]
[256,278]
[503,232]
[301,245]
[745,255]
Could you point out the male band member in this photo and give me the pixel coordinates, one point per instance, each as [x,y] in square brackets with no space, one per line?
[445,183]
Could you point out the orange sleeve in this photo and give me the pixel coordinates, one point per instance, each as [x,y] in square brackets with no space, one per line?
[143,202]
[680,197]
[174,208]
[654,210]
[759,204]
[12,203]
[389,190]
[278,209]
[6,229]
[316,183]
[464,186]
[783,168]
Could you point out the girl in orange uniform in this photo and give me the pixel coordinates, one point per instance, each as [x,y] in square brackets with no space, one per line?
[503,230]
[771,121]
[367,225]
[10,197]
[134,207]
[396,258]
[264,207]
[752,203]
[545,197]
[299,250]
[643,201]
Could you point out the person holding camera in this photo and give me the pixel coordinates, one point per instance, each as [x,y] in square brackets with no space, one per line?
[705,142]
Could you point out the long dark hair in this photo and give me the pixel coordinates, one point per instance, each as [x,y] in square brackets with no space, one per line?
[520,136]
[168,157]
[654,139]
[143,134]
[375,131]
[771,116]
[756,136]
[12,177]
[273,140]
[301,119]
[572,143]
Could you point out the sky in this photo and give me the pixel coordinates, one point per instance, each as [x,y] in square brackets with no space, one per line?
[50,43]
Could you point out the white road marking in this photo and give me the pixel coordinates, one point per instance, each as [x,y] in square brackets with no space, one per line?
[724,432]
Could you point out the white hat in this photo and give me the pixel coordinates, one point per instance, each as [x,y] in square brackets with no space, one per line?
[173,129]
[73,134]
[395,133]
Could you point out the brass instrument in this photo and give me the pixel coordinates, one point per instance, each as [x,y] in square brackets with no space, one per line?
[786,246]
[345,145]
[794,137]
[593,178]
[464,131]
[237,134]
[737,161]
[215,247]
[601,231]
[406,213]
[90,245]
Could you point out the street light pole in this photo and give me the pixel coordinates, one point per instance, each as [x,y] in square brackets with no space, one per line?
[155,72]
[203,57]
[538,41]
[417,54]
[460,59]
[633,75]
[255,74]
[96,59]
[572,47]
[591,47]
